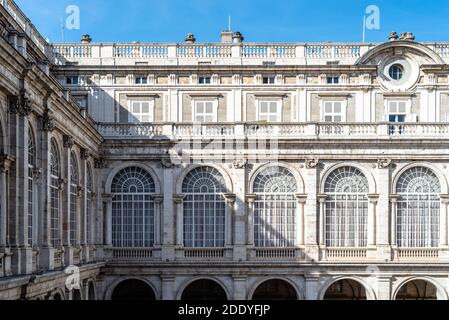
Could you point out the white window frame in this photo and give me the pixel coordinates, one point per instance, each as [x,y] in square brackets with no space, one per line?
[333,77]
[342,114]
[132,116]
[278,113]
[205,83]
[408,106]
[271,80]
[195,103]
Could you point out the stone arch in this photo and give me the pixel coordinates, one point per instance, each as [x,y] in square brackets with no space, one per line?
[290,283]
[298,177]
[433,56]
[441,293]
[150,289]
[436,171]
[223,172]
[369,176]
[118,168]
[369,291]
[214,280]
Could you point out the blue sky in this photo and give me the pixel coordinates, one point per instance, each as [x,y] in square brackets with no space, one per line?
[258,20]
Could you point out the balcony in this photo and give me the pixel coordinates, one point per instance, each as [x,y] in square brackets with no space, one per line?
[138,255]
[311,131]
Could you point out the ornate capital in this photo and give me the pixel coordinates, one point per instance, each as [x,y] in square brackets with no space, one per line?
[100,163]
[48,123]
[373,198]
[68,141]
[383,163]
[230,198]
[20,104]
[85,154]
[312,163]
[322,198]
[178,198]
[250,198]
[394,198]
[158,198]
[302,198]
[5,163]
[79,191]
[37,172]
[240,163]
[62,183]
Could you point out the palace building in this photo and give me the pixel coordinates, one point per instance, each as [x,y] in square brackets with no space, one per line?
[229,170]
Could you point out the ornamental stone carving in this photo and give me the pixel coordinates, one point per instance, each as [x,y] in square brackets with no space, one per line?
[48,123]
[383,163]
[85,154]
[312,163]
[100,163]
[68,141]
[240,164]
[20,105]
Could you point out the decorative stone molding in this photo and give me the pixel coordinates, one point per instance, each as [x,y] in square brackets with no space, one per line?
[322,198]
[85,154]
[312,163]
[383,163]
[48,123]
[444,198]
[240,163]
[20,104]
[68,142]
[394,198]
[100,163]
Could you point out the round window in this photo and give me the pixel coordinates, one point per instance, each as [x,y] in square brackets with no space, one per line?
[396,72]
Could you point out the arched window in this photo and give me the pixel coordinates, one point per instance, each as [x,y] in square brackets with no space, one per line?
[55,173]
[346,208]
[74,183]
[89,218]
[418,208]
[275,208]
[133,208]
[204,208]
[31,165]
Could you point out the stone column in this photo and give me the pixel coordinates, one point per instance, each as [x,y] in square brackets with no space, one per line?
[19,108]
[230,230]
[384,285]
[383,213]
[311,218]
[392,230]
[5,164]
[301,232]
[239,207]
[107,202]
[372,203]
[158,201]
[168,214]
[444,220]
[65,164]
[322,227]
[47,252]
[178,201]
[240,288]
[250,199]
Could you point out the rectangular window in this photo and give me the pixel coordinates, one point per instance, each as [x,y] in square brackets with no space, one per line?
[332,80]
[141,111]
[205,111]
[141,80]
[397,111]
[268,80]
[204,80]
[72,80]
[333,111]
[269,111]
[82,101]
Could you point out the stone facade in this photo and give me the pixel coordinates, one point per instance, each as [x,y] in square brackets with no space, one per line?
[160,112]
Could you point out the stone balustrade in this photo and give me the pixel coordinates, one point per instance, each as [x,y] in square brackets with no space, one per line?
[274,131]
[417,253]
[132,254]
